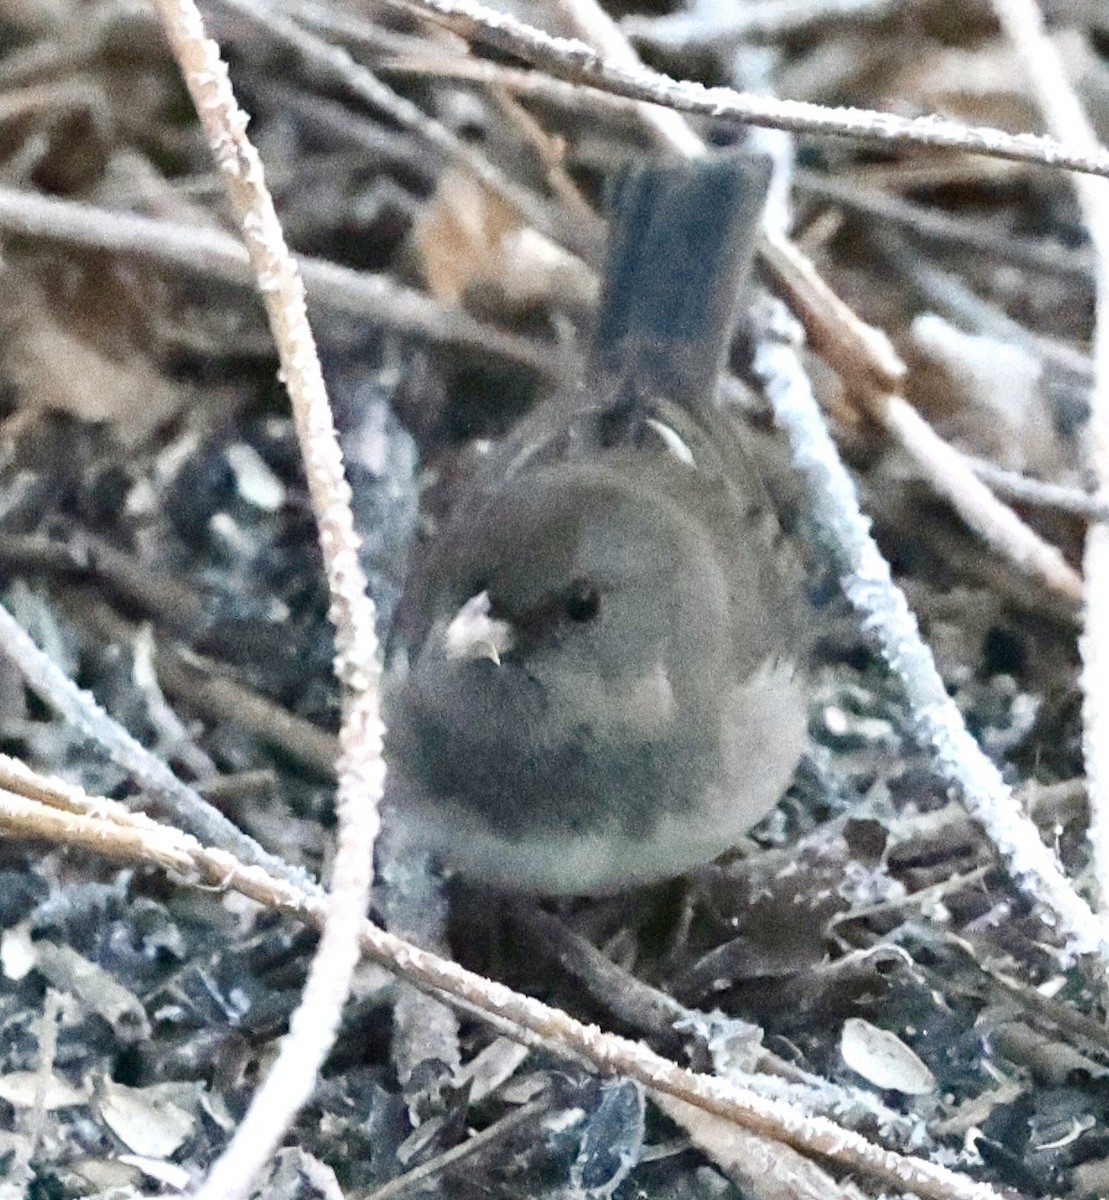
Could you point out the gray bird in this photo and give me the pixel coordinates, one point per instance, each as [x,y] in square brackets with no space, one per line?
[594,673]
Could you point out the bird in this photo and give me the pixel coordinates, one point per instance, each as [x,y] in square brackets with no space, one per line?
[595,675]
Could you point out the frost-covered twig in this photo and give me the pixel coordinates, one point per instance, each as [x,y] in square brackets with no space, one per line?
[1011,485]
[939,725]
[712,27]
[81,711]
[868,363]
[996,523]
[69,817]
[361,767]
[568,58]
[1023,24]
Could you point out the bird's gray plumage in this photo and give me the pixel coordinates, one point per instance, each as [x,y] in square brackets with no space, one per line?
[593,673]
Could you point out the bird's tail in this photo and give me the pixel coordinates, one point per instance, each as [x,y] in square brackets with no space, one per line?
[681,242]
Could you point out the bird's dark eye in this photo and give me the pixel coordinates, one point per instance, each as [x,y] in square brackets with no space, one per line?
[582,601]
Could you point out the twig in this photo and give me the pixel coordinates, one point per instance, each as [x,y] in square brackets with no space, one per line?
[357,29]
[410,1183]
[938,723]
[175,740]
[522,82]
[948,294]
[207,688]
[172,602]
[864,357]
[1011,485]
[602,39]
[1039,254]
[949,473]
[81,711]
[853,1107]
[634,1003]
[861,354]
[204,684]
[69,817]
[1023,24]
[1076,1027]
[762,1169]
[573,60]
[551,150]
[216,695]
[410,54]
[48,1049]
[243,785]
[361,767]
[214,254]
[104,826]
[638,1005]
[412,904]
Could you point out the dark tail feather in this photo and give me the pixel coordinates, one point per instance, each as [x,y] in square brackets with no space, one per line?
[681,241]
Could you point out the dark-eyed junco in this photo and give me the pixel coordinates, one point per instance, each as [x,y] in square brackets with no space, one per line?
[594,672]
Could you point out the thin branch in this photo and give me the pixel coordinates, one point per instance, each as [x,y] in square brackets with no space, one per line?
[420,1177]
[214,254]
[858,352]
[948,294]
[656,1014]
[81,711]
[939,725]
[865,359]
[602,38]
[211,692]
[762,1169]
[1023,489]
[1023,25]
[573,60]
[361,768]
[208,688]
[104,826]
[995,522]
[1039,254]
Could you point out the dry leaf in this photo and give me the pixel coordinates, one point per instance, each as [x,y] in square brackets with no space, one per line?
[66,361]
[94,989]
[470,242]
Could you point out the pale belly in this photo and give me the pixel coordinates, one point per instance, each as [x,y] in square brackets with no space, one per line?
[765,723]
